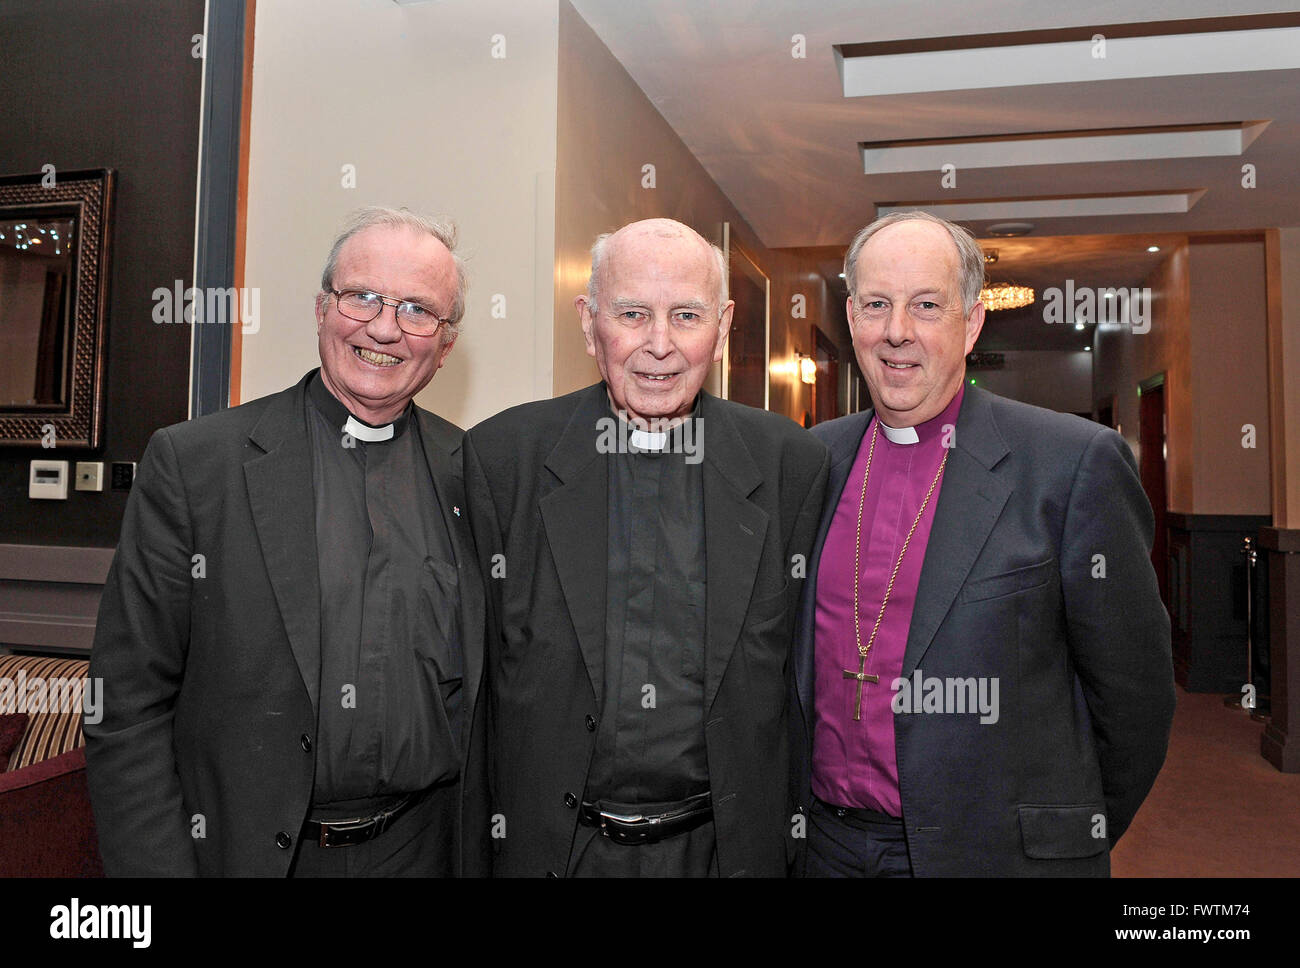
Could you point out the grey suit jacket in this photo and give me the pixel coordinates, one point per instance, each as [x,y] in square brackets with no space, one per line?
[1037,574]
[211,682]
[538,503]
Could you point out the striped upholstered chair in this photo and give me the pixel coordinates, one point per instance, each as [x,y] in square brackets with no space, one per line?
[46,826]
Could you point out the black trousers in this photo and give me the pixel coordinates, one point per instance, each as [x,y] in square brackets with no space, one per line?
[691,854]
[861,843]
[418,844]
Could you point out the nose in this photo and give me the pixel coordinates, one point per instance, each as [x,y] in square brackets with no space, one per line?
[899,329]
[383,328]
[658,338]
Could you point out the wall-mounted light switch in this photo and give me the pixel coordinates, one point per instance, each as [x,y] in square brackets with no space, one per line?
[123,474]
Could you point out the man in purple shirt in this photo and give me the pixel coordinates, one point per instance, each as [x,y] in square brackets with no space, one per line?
[983,681]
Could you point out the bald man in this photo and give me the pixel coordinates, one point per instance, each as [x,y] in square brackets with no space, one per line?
[646,544]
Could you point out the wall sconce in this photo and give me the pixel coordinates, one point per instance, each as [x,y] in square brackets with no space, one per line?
[807,369]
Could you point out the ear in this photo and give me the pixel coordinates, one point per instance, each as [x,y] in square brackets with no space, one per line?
[974,323]
[444,352]
[322,298]
[585,318]
[724,328]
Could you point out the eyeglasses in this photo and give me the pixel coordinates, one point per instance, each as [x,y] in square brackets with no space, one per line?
[364,305]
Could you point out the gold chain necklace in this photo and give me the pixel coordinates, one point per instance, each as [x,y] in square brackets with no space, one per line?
[862,675]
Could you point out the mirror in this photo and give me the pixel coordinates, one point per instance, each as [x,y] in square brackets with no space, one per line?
[53,287]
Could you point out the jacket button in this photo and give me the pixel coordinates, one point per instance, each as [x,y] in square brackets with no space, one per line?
[570,800]
[283,840]
[591,724]
[306,743]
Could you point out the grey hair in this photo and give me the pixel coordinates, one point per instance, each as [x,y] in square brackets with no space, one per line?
[969,254]
[443,231]
[598,256]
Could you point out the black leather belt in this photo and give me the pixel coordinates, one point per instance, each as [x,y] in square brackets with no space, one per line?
[636,828]
[862,814]
[358,830]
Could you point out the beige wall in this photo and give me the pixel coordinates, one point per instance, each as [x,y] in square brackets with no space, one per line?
[413,98]
[1209,337]
[1229,328]
[1054,379]
[1123,359]
[608,130]
[1283,259]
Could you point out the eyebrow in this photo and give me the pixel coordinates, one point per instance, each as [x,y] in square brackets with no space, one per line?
[625,303]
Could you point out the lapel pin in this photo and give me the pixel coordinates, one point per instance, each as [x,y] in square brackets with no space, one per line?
[455,509]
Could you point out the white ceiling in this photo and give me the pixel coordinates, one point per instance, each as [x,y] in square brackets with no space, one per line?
[782,141]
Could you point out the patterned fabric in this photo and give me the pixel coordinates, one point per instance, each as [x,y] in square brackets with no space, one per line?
[52,731]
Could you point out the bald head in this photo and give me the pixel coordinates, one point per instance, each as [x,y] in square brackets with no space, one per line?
[654,231]
[655,317]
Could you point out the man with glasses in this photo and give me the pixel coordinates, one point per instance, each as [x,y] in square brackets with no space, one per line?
[290,636]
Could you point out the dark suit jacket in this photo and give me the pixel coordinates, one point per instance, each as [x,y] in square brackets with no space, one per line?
[1086,696]
[538,504]
[210,683]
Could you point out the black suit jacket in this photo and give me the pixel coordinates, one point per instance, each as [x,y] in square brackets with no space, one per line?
[1029,499]
[538,504]
[210,683]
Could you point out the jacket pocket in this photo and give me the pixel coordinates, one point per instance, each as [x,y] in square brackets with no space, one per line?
[768,608]
[1008,583]
[1061,832]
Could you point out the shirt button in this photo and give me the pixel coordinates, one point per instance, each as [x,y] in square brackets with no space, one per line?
[570,800]
[306,743]
[591,724]
[283,840]
[840,811]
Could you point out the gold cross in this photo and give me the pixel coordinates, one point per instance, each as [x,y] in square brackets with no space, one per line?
[862,675]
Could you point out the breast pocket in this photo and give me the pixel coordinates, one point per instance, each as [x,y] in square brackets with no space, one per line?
[767,609]
[1010,583]
[439,636]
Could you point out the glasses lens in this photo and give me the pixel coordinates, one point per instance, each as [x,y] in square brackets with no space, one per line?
[364,306]
[414,318]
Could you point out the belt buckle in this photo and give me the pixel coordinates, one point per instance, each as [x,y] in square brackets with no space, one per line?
[367,828]
[342,827]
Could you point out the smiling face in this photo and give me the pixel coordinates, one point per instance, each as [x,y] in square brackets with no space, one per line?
[375,368]
[656,328]
[910,334]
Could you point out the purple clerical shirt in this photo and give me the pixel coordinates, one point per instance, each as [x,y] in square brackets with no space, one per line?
[854,763]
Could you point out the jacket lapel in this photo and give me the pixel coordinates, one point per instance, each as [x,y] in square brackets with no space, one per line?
[576,517]
[442,453]
[971,499]
[734,532]
[843,450]
[280,496]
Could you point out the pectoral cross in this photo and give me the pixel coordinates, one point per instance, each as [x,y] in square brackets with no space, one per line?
[862,675]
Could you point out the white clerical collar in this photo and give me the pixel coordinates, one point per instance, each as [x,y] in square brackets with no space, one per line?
[370,435]
[648,439]
[900,435]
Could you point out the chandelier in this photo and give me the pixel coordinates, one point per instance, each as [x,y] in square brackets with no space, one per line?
[1006,296]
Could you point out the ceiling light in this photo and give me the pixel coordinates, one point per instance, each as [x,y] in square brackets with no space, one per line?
[1008,229]
[1079,326]
[1006,296]
[1153,248]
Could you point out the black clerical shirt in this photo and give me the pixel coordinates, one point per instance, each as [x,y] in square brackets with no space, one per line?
[650,748]
[391,651]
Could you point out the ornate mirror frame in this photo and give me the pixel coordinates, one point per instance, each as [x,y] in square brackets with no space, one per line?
[87,196]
